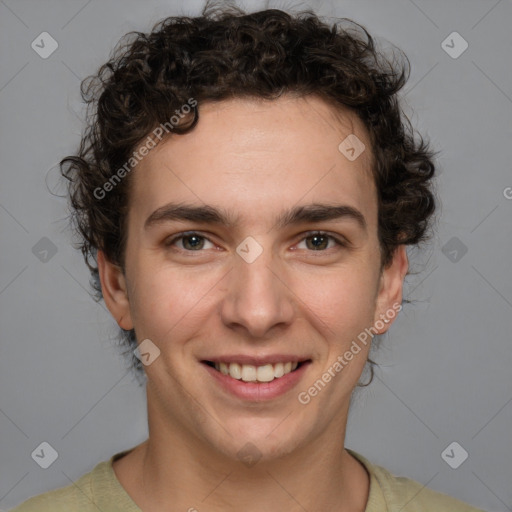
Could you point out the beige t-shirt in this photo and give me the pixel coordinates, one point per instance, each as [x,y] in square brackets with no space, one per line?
[100,490]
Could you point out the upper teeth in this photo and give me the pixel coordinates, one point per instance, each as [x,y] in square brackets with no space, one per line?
[250,373]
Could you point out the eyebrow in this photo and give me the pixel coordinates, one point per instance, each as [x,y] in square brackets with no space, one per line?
[310,213]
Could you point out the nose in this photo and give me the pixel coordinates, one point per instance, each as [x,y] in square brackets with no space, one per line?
[258,300]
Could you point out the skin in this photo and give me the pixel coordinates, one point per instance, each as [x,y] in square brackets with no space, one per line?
[256,159]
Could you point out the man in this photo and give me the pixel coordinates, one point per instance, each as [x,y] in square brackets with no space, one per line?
[245,194]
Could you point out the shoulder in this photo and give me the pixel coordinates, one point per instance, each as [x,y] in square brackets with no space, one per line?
[97,490]
[397,493]
[76,496]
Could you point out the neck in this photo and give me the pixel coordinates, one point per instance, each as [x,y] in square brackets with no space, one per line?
[173,469]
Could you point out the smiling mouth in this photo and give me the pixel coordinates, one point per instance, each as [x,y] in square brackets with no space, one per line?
[251,373]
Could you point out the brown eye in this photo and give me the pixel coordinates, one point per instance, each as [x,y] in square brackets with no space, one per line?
[189,242]
[319,241]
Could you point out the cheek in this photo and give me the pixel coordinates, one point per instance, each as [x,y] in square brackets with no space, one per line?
[164,300]
[340,303]
[348,292]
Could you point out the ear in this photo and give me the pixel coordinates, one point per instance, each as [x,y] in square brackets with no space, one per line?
[389,298]
[113,287]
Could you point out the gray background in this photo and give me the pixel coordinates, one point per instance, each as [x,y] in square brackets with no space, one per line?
[445,366]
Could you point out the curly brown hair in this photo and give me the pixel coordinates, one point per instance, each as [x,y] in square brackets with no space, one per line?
[227,53]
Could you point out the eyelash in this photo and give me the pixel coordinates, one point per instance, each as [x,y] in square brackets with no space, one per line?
[309,234]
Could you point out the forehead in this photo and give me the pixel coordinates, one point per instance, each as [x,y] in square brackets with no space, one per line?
[255,157]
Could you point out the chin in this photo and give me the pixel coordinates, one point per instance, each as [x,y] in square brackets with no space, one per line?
[252,443]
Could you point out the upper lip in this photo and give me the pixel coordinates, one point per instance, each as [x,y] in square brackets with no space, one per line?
[257,360]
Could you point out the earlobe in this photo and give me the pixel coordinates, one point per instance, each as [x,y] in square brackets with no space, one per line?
[113,287]
[389,300]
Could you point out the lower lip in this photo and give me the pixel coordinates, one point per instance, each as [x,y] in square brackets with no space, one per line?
[258,391]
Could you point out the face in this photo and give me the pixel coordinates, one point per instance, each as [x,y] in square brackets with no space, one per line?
[273,258]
